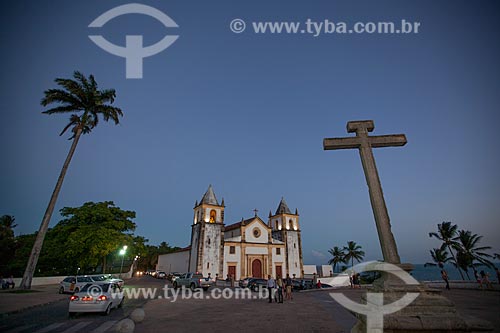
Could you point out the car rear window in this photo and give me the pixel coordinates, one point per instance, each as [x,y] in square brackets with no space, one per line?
[91,286]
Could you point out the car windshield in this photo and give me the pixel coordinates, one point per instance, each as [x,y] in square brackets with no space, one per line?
[84,279]
[91,286]
[99,278]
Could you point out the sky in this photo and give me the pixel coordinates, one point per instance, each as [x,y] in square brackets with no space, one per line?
[247,112]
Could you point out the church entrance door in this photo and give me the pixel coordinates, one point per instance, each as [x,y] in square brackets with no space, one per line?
[279,271]
[257,268]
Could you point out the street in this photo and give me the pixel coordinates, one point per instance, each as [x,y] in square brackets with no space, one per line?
[53,317]
[309,311]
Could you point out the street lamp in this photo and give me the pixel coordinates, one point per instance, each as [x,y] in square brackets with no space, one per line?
[122,253]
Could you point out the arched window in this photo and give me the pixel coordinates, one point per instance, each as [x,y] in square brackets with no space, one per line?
[213,215]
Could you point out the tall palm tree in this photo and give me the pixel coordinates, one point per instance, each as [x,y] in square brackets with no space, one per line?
[467,248]
[446,234]
[80,97]
[353,251]
[439,257]
[338,256]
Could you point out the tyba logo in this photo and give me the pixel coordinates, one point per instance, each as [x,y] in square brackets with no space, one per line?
[374,309]
[133,52]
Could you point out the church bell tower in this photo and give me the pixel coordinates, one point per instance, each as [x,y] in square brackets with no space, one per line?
[285,226]
[207,236]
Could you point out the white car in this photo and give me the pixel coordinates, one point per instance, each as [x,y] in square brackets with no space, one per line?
[106,278]
[96,297]
[73,284]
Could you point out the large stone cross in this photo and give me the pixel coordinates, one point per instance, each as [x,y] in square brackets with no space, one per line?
[365,143]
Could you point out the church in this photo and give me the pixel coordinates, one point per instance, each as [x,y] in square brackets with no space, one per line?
[248,248]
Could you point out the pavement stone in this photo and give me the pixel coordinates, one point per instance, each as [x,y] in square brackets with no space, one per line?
[16,302]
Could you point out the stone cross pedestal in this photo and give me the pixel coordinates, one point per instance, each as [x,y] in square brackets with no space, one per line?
[430,312]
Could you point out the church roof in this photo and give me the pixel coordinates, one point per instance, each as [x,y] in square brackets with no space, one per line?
[237,225]
[283,208]
[209,197]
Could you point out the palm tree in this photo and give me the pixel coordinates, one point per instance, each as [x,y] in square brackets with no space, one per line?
[81,97]
[446,234]
[338,256]
[353,251]
[468,249]
[439,257]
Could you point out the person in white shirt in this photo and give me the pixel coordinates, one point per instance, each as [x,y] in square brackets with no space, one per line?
[271,284]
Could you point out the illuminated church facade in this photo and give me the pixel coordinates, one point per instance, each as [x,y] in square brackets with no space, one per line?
[248,248]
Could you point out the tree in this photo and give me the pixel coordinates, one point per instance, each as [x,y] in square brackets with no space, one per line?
[446,234]
[80,97]
[468,251]
[353,251]
[95,230]
[439,257]
[338,256]
[7,239]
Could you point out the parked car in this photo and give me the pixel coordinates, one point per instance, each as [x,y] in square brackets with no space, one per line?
[72,284]
[254,284]
[173,276]
[106,278]
[299,285]
[193,281]
[244,282]
[161,275]
[96,297]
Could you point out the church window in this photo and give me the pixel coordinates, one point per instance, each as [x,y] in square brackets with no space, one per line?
[232,250]
[208,265]
[209,241]
[294,246]
[213,214]
[295,266]
[278,251]
[256,232]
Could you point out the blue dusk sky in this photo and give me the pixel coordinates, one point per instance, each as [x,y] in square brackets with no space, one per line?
[247,113]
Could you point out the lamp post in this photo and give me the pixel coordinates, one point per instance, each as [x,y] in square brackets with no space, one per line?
[122,253]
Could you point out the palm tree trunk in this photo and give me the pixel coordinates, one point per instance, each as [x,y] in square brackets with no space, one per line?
[455,259]
[37,247]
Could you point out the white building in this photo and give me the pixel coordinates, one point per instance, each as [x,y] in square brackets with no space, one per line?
[249,248]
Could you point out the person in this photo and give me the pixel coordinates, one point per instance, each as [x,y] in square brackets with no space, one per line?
[271,284]
[279,293]
[10,282]
[498,274]
[444,276]
[210,276]
[351,280]
[288,286]
[315,280]
[3,282]
[485,279]
[478,279]
[319,284]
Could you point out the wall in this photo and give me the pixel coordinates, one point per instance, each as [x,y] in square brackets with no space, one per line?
[212,250]
[293,254]
[173,262]
[264,235]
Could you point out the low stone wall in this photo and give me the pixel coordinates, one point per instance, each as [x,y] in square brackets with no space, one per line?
[42,281]
[459,285]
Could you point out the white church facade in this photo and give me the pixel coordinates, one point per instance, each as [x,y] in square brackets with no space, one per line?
[248,248]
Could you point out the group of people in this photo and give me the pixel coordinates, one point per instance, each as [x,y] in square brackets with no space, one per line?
[355,280]
[8,283]
[277,286]
[482,278]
